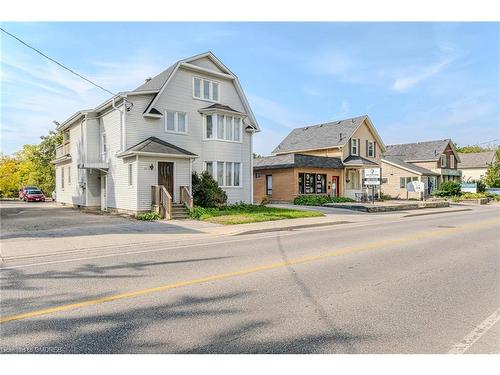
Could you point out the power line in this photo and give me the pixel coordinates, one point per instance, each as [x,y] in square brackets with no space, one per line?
[56,62]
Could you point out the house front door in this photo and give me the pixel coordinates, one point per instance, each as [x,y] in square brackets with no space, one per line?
[166,176]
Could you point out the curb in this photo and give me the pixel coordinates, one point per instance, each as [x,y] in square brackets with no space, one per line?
[289,228]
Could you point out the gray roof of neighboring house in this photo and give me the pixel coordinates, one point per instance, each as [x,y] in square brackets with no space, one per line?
[430,150]
[476,159]
[157,146]
[411,167]
[357,160]
[320,136]
[296,160]
[156,83]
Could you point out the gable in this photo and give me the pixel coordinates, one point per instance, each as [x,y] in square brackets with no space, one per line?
[207,63]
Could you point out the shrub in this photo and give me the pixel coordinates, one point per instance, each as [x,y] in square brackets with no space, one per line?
[149,216]
[206,192]
[319,200]
[481,186]
[473,195]
[448,189]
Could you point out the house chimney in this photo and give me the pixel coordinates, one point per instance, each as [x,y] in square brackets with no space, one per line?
[148,79]
[340,138]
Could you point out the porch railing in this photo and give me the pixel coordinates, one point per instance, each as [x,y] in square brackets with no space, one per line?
[186,198]
[161,201]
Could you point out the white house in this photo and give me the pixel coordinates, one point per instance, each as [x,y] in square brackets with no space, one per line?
[193,116]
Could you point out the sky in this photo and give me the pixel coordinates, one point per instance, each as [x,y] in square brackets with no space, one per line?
[416,81]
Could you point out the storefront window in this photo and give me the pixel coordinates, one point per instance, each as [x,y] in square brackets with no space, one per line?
[352,179]
[312,183]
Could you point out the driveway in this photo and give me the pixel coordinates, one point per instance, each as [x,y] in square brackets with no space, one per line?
[39,228]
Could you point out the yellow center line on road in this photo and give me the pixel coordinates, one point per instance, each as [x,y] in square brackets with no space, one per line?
[343,251]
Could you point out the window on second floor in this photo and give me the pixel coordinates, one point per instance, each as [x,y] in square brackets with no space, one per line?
[223,127]
[206,89]
[442,161]
[452,161]
[176,122]
[354,146]
[370,149]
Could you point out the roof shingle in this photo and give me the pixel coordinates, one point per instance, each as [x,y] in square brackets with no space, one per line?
[430,150]
[296,160]
[476,159]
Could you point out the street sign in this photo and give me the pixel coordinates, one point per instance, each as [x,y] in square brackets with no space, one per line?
[469,187]
[415,186]
[372,181]
[372,173]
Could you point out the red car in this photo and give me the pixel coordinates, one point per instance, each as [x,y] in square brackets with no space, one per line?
[23,190]
[34,195]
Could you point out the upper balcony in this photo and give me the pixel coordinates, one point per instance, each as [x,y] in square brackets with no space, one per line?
[63,152]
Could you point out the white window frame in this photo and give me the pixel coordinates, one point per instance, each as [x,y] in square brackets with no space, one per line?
[176,122]
[215,128]
[442,161]
[225,166]
[357,146]
[372,145]
[69,174]
[62,178]
[214,163]
[452,161]
[211,90]
[130,174]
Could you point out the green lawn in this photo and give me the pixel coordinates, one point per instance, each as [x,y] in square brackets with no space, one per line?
[242,214]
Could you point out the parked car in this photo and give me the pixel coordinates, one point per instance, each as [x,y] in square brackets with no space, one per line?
[34,195]
[23,190]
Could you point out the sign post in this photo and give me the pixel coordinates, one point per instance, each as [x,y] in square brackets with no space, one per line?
[372,179]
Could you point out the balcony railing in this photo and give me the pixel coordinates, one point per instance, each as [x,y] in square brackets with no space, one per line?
[63,150]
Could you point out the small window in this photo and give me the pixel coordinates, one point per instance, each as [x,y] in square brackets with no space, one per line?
[181,122]
[130,176]
[402,182]
[229,174]
[370,152]
[69,175]
[220,126]
[236,168]
[257,175]
[443,161]
[209,127]
[220,173]
[171,121]
[206,89]
[237,129]
[229,128]
[452,161]
[196,88]
[62,177]
[209,167]
[354,146]
[215,91]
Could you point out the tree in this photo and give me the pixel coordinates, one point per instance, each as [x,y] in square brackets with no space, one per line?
[206,191]
[492,178]
[30,166]
[256,156]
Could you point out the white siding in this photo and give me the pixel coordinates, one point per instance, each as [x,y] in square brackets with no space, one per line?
[148,177]
[178,96]
[206,63]
[120,195]
[71,193]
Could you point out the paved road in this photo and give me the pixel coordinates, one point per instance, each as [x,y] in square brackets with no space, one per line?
[422,284]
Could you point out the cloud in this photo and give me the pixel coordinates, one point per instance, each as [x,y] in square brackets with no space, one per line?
[410,80]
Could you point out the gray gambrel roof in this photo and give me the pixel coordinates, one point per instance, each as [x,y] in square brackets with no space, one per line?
[411,167]
[477,159]
[296,160]
[156,83]
[155,145]
[327,135]
[419,151]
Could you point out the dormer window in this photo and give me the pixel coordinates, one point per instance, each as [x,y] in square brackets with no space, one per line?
[443,161]
[205,89]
